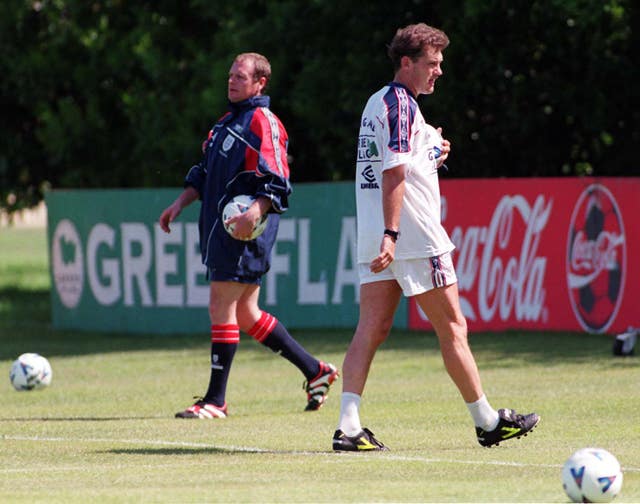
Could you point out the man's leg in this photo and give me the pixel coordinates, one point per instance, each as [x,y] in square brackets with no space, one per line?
[269,331]
[225,337]
[378,304]
[442,307]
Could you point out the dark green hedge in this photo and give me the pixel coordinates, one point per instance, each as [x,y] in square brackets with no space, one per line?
[116,93]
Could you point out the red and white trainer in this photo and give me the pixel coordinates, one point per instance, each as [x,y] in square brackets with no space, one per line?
[318,388]
[202,409]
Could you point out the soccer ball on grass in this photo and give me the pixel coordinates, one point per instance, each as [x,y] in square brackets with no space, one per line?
[592,475]
[239,205]
[30,371]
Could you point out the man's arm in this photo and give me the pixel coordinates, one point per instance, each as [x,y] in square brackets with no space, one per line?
[188,196]
[271,165]
[392,196]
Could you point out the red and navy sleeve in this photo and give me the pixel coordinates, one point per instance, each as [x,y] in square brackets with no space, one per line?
[270,161]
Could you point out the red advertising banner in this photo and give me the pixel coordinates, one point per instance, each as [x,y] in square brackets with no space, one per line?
[540,253]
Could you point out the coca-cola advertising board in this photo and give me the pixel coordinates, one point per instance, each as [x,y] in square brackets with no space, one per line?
[540,253]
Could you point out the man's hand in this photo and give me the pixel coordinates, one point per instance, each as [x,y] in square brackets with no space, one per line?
[444,151]
[169,215]
[188,196]
[245,223]
[387,253]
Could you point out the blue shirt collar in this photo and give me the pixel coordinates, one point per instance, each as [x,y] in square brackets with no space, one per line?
[397,84]
[253,102]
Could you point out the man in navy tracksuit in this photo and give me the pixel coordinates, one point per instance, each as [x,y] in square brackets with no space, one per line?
[245,154]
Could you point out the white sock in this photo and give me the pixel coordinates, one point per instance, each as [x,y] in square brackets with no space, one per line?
[349,422]
[484,416]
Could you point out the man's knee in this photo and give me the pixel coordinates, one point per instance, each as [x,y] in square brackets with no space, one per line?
[244,316]
[376,333]
[460,325]
[455,332]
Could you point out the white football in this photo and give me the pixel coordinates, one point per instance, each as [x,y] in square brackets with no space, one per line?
[239,205]
[592,475]
[30,371]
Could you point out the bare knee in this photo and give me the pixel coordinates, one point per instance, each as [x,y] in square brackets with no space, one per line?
[220,313]
[459,328]
[373,333]
[247,316]
[453,336]
[383,329]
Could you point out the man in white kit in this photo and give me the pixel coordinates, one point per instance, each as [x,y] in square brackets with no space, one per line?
[402,245]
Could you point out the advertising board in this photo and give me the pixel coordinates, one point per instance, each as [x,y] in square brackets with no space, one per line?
[544,254]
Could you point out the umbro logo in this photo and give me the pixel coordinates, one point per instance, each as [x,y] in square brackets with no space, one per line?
[370,177]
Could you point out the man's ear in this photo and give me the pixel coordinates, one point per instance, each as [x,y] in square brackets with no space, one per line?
[263,82]
[405,62]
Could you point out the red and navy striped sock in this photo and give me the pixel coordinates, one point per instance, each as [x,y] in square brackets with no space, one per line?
[272,334]
[224,342]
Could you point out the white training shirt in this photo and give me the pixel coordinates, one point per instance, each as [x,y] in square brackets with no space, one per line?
[392,133]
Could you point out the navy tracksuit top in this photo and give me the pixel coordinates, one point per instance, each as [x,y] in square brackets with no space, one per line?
[245,153]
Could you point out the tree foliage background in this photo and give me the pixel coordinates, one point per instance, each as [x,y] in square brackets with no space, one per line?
[117,93]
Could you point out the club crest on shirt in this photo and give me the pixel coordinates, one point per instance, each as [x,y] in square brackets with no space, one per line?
[228,143]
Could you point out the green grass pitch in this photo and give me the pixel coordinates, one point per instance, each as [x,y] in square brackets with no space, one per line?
[104,431]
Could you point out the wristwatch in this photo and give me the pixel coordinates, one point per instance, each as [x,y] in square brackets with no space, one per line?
[393,234]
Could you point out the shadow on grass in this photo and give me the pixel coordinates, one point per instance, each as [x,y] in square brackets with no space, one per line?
[24,306]
[185,451]
[80,419]
[25,326]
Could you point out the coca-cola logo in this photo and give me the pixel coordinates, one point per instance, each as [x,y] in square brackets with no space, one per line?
[596,259]
[501,262]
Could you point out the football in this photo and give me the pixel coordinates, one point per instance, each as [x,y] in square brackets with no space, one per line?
[592,475]
[238,205]
[30,371]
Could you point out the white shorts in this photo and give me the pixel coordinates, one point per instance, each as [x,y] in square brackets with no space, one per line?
[414,276]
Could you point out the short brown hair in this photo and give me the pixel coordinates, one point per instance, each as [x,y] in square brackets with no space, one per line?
[412,40]
[261,65]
